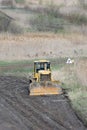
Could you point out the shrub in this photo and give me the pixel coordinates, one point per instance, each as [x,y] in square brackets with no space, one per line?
[83,4]
[7,3]
[46,23]
[15,28]
[48,20]
[52,10]
[20,1]
[76,18]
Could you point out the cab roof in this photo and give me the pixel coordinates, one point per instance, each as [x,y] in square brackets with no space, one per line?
[41,61]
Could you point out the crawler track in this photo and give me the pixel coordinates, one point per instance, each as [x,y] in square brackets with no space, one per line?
[18,111]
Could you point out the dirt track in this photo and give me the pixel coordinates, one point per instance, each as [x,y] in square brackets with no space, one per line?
[18,111]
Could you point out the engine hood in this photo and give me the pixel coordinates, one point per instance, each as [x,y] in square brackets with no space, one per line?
[44,72]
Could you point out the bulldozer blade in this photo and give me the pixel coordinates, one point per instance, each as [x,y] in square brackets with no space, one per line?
[44,89]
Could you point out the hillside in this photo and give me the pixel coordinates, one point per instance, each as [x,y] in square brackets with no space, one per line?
[40,2]
[46,16]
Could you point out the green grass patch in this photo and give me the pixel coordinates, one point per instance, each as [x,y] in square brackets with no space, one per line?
[20,1]
[58,63]
[5,63]
[57,67]
[26,66]
[16,67]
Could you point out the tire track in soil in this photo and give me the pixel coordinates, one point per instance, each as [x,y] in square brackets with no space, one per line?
[36,118]
[39,116]
[37,113]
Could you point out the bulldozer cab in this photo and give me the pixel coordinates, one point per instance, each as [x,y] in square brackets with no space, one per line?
[42,69]
[41,65]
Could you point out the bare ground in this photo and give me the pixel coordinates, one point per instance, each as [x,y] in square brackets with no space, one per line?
[18,111]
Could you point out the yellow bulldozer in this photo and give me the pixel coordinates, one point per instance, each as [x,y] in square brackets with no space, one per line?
[42,83]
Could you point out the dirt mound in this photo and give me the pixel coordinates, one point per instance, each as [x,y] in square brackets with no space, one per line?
[18,111]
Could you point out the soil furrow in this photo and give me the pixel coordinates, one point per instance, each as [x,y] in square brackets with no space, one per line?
[36,113]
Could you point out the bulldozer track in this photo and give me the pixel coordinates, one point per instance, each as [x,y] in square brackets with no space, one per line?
[35,113]
[26,109]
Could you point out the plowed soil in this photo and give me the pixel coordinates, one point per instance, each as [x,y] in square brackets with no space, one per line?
[19,111]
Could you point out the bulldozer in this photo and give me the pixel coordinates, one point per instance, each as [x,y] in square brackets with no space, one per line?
[42,82]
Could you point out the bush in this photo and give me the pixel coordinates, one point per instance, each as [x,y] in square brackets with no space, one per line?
[20,1]
[46,23]
[48,20]
[77,19]
[83,4]
[52,10]
[15,28]
[7,3]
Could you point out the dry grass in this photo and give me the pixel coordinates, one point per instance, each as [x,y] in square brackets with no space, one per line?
[81,71]
[74,78]
[76,38]
[27,46]
[58,2]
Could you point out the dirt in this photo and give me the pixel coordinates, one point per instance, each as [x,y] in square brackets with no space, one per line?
[19,111]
